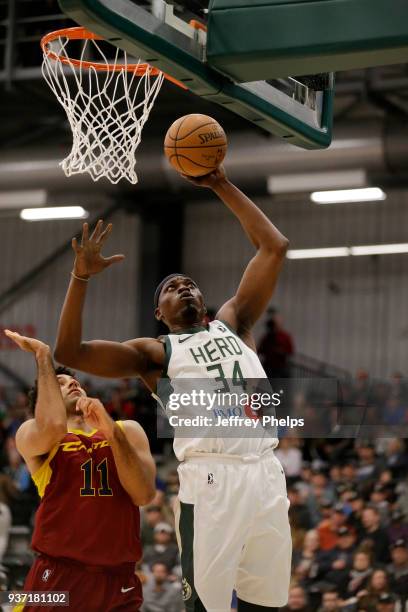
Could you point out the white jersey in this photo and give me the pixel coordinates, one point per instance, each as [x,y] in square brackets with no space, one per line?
[217,356]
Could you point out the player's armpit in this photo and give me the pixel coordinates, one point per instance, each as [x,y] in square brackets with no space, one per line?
[114,359]
[34,441]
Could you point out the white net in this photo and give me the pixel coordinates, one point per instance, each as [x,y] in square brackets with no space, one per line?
[107,105]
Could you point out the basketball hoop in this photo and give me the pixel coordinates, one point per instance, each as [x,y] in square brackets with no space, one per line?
[107,102]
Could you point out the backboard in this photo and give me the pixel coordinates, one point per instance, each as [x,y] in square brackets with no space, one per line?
[172,37]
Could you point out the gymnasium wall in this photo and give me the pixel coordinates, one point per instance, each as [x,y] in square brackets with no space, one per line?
[350,312]
[111,307]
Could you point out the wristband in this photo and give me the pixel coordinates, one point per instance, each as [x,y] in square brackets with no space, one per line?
[80,278]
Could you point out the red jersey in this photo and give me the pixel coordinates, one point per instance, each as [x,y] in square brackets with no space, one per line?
[85,514]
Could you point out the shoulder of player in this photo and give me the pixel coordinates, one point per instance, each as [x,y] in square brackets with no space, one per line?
[21,435]
[133,431]
[152,349]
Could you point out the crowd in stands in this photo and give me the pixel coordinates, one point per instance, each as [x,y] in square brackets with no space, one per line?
[348,512]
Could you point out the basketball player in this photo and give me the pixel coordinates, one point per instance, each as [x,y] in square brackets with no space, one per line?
[91,474]
[233,519]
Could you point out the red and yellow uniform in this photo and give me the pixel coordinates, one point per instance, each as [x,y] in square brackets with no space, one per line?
[87,529]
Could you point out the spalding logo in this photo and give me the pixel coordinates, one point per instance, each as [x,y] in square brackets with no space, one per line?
[187,591]
[208,136]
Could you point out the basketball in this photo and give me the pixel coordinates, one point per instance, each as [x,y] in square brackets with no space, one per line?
[195,144]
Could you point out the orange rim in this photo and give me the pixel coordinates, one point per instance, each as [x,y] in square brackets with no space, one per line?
[84,34]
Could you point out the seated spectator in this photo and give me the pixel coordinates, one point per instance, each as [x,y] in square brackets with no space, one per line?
[151,516]
[297,601]
[328,527]
[360,572]
[386,603]
[330,601]
[398,528]
[374,535]
[321,492]
[159,593]
[399,569]
[377,584]
[164,549]
[305,564]
[298,512]
[397,458]
[356,505]
[368,467]
[335,565]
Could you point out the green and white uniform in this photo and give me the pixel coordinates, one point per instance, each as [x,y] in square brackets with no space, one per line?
[232,517]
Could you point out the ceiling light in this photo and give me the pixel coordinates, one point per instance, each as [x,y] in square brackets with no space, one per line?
[28,197]
[57,212]
[341,196]
[380,249]
[318,253]
[312,181]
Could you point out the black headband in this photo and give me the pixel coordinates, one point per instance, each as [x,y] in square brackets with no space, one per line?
[161,285]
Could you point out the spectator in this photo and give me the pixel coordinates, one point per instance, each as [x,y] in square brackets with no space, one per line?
[397,458]
[360,572]
[378,583]
[161,595]
[328,527]
[398,528]
[276,347]
[375,535]
[330,601]
[298,512]
[297,601]
[399,569]
[336,564]
[306,563]
[368,468]
[386,603]
[152,515]
[164,550]
[354,519]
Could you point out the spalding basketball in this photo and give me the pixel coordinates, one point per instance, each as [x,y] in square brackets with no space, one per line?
[195,145]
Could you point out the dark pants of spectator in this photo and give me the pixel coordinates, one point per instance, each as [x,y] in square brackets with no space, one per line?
[244,606]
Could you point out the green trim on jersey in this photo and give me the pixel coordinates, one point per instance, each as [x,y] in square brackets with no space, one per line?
[190,330]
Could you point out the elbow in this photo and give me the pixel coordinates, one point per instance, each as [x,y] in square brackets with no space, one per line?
[283,247]
[278,249]
[145,497]
[65,356]
[55,429]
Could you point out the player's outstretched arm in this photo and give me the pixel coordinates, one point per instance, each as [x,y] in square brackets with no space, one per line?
[99,357]
[134,462]
[259,279]
[37,436]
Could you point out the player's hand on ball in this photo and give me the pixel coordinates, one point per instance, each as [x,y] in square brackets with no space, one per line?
[208,180]
[31,345]
[95,415]
[88,257]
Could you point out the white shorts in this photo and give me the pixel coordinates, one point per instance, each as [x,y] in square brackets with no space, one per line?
[233,531]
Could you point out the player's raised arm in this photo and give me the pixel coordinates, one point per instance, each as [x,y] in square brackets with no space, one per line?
[259,279]
[37,436]
[100,357]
